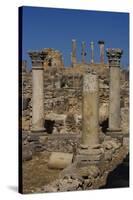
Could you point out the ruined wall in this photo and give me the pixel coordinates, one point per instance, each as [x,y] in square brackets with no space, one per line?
[26,96]
[63,97]
[53,58]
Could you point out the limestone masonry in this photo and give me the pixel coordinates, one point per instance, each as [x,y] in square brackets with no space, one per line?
[80,111]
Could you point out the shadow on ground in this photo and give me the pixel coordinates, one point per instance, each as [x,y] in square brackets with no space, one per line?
[119,178]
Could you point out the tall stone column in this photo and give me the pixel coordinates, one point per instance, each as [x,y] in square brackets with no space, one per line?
[90,133]
[101,45]
[73,54]
[83,53]
[92,52]
[37,92]
[114,56]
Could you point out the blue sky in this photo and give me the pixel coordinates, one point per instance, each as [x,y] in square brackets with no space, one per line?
[55,28]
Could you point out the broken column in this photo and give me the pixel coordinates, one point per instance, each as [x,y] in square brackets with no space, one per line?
[90,150]
[92,52]
[101,45]
[114,56]
[73,54]
[37,92]
[90,133]
[83,53]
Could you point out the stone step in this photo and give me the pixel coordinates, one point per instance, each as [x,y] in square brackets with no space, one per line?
[90,152]
[84,158]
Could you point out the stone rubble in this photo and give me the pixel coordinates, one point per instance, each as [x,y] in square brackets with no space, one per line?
[60,129]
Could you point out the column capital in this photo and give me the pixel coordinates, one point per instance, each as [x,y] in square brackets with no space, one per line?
[92,43]
[37,59]
[101,45]
[101,42]
[114,56]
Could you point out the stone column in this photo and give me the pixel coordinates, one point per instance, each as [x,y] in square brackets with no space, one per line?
[83,53]
[90,135]
[92,52]
[114,56]
[61,60]
[37,92]
[101,45]
[73,54]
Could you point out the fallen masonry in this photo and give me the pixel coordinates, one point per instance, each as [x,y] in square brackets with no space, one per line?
[91,176]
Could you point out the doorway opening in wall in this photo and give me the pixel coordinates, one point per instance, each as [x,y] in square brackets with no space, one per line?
[49,126]
[104,125]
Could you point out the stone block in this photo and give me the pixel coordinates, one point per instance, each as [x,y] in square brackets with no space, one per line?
[69,184]
[84,158]
[90,151]
[116,145]
[126,141]
[89,171]
[43,139]
[26,155]
[60,160]
[33,138]
[108,155]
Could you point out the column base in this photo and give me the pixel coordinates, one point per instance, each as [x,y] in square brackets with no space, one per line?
[115,133]
[38,130]
[89,155]
[114,130]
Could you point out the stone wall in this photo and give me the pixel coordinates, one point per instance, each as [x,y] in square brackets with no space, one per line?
[63,96]
[53,58]
[25,94]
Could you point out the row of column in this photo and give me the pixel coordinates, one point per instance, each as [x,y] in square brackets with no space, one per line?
[90,109]
[83,52]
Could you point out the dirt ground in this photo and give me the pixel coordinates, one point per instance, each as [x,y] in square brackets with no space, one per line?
[36,173]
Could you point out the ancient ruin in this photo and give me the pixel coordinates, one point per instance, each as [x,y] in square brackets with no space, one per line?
[75,123]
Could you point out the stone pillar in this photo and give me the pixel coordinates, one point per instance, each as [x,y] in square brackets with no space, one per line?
[90,135]
[114,56]
[61,60]
[37,92]
[101,45]
[92,52]
[73,54]
[83,53]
